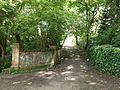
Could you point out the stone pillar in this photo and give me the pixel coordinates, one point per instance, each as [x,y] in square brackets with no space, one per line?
[15,55]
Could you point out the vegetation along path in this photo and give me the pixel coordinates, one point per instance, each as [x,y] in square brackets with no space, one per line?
[73,73]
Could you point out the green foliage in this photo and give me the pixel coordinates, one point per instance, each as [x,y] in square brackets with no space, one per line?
[105,58]
[7,63]
[30,20]
[41,23]
[88,17]
[24,18]
[104,53]
[110,35]
[115,30]
[108,32]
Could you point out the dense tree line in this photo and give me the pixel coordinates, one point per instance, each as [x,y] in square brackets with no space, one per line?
[37,24]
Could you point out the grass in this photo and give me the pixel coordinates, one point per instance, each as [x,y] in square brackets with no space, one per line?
[25,70]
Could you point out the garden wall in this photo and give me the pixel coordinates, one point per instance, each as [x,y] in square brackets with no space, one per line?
[33,59]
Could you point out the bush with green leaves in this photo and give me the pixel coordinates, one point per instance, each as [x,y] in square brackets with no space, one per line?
[105,58]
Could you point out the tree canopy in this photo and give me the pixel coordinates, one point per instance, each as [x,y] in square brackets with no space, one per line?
[36,24]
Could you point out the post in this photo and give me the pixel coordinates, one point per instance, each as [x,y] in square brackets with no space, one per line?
[15,55]
[54,55]
[59,53]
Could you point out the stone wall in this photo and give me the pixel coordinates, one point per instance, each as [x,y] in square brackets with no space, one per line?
[33,59]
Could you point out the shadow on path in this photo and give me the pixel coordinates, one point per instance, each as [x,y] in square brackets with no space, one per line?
[73,73]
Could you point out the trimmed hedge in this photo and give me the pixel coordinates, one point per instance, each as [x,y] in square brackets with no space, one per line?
[105,58]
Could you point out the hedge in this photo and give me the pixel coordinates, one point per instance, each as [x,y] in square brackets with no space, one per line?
[105,58]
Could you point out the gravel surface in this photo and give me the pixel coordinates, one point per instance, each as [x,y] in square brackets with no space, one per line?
[73,73]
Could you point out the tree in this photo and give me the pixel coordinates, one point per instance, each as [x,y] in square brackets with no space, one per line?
[88,13]
[7,13]
[109,27]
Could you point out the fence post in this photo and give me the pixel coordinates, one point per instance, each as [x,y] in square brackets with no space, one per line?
[15,55]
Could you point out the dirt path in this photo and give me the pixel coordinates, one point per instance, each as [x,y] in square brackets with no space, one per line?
[73,73]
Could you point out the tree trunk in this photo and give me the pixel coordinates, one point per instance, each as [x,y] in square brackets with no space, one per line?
[44,40]
[87,26]
[64,40]
[2,61]
[77,42]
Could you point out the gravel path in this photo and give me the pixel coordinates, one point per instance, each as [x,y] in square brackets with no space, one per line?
[73,73]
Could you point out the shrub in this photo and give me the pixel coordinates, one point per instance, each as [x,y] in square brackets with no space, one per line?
[7,63]
[105,58]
